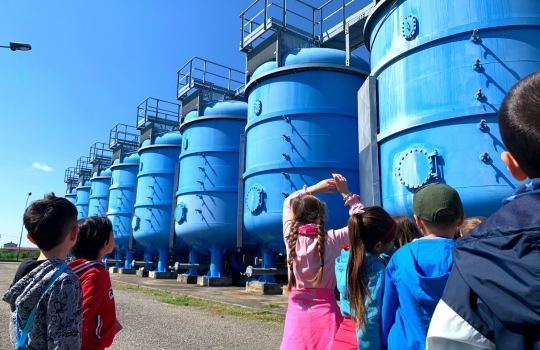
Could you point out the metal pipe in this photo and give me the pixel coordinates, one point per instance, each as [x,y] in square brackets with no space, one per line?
[112,261]
[135,263]
[181,266]
[255,271]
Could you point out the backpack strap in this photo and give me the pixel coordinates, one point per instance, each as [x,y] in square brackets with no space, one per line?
[21,337]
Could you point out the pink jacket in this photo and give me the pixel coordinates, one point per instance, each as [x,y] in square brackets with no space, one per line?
[307,262]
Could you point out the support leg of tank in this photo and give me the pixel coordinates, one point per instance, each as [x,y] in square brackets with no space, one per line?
[194,258]
[130,256]
[148,256]
[216,260]
[163,259]
[119,256]
[268,261]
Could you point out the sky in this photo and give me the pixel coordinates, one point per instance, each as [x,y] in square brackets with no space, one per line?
[91,64]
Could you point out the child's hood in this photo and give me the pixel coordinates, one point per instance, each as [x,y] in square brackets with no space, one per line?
[26,292]
[427,264]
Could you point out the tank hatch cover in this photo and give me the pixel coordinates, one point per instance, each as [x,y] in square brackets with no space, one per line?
[409,27]
[254,199]
[185,143]
[180,213]
[415,168]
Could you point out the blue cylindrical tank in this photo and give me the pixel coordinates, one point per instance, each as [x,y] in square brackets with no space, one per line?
[124,177]
[302,127]
[99,192]
[151,221]
[443,69]
[207,197]
[71,195]
[83,196]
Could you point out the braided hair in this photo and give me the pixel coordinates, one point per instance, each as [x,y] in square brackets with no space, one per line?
[306,209]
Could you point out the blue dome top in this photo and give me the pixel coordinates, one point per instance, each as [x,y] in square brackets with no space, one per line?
[312,55]
[191,115]
[225,108]
[165,138]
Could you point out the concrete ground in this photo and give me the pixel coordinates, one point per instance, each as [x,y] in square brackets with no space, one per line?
[149,324]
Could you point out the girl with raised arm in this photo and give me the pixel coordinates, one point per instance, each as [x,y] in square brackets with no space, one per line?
[313,316]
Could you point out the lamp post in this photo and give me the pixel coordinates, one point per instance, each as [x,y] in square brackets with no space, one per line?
[22,227]
[18,46]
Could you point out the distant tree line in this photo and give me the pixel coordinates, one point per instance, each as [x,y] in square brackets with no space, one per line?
[12,254]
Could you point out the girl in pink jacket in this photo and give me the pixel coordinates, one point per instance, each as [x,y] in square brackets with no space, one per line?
[313,316]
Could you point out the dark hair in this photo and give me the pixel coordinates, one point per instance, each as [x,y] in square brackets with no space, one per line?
[94,234]
[306,209]
[365,230]
[49,220]
[406,231]
[469,224]
[519,123]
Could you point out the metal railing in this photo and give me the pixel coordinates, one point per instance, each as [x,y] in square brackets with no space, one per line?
[295,15]
[83,166]
[208,75]
[165,115]
[100,153]
[70,177]
[124,135]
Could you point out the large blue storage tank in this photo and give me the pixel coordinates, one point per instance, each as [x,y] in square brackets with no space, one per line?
[82,198]
[302,127]
[124,177]
[443,69]
[71,195]
[207,197]
[99,192]
[152,219]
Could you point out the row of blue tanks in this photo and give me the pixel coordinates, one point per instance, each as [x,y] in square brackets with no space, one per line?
[439,71]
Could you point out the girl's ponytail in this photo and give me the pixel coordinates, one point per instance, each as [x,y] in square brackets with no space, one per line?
[365,231]
[320,246]
[293,237]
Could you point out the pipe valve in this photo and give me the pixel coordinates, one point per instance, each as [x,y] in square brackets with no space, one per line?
[479,95]
[484,157]
[474,36]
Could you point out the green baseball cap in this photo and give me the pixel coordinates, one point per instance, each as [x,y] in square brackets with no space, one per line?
[430,199]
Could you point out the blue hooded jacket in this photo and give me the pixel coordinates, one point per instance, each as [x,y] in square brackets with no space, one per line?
[414,283]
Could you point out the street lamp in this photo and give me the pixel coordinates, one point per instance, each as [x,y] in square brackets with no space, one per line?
[18,47]
[22,227]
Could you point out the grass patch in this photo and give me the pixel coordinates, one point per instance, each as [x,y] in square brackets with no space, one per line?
[272,306]
[212,306]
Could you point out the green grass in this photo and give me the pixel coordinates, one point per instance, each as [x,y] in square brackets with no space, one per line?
[212,306]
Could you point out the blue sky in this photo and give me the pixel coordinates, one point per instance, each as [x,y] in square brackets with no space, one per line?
[91,64]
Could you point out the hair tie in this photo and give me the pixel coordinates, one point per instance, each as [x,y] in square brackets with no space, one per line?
[389,231]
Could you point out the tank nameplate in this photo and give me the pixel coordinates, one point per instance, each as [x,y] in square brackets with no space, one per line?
[254,198]
[180,213]
[257,107]
[409,27]
[415,168]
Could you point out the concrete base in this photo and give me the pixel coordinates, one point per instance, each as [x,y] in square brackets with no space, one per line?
[124,271]
[187,279]
[214,281]
[142,273]
[264,288]
[163,275]
[113,269]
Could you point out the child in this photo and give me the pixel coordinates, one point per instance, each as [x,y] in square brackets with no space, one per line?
[418,271]
[469,224]
[313,315]
[99,314]
[406,231]
[361,283]
[492,299]
[45,296]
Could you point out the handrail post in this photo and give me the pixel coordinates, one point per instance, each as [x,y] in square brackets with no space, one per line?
[284,13]
[204,73]
[321,25]
[242,31]
[313,29]
[343,13]
[265,13]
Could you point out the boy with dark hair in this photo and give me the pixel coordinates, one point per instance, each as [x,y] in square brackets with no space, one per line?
[418,271]
[45,296]
[492,300]
[99,312]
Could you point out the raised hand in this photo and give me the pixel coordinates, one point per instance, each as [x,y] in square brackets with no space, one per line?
[324,186]
[341,184]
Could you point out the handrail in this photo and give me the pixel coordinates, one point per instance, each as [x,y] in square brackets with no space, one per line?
[164,117]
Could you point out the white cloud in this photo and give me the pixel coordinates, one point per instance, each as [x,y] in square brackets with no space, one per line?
[43,167]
